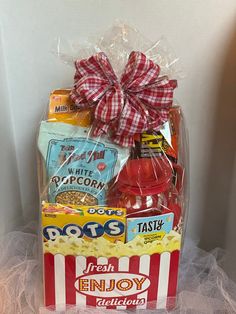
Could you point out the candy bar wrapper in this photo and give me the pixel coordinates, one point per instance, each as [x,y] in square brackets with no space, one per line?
[113,179]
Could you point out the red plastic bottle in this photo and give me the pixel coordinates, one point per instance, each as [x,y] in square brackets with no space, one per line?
[145,188]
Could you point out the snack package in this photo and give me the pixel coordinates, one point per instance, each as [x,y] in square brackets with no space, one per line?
[79,166]
[113,180]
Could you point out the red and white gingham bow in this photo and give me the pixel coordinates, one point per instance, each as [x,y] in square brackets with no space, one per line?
[140,101]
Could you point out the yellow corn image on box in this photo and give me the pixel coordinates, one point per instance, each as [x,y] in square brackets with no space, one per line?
[85,222]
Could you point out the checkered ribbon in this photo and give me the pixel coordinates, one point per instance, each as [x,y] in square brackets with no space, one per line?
[140,101]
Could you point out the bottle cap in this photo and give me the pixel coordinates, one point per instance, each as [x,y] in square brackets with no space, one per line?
[145,176]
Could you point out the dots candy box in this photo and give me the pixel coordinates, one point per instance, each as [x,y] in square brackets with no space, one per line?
[82,222]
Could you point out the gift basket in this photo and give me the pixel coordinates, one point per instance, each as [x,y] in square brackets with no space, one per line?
[113,178]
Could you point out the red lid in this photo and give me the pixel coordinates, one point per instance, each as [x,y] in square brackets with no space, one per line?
[145,176]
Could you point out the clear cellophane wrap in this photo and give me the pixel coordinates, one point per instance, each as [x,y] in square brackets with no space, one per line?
[113,177]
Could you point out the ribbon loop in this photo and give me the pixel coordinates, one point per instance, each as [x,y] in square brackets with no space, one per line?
[139,102]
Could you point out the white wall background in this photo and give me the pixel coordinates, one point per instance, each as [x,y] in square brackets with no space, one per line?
[203,34]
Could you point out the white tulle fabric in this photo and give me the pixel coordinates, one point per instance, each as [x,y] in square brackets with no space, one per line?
[204,288]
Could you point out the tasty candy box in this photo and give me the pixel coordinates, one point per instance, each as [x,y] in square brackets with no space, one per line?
[112,156]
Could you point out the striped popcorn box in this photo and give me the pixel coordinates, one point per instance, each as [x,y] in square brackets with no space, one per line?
[141,282]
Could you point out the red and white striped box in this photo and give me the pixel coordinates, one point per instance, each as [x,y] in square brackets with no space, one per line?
[141,282]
